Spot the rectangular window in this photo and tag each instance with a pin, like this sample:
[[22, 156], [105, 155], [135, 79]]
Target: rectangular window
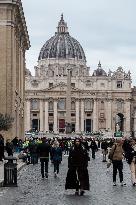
[[34, 115], [119, 84], [50, 114], [72, 114], [73, 85], [50, 85]]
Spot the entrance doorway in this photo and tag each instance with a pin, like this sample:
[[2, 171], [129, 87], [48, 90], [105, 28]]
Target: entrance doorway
[[35, 124], [50, 127], [88, 125], [61, 125], [73, 127]]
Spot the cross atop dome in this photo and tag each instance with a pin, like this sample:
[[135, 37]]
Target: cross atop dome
[[99, 65], [62, 17], [62, 26]]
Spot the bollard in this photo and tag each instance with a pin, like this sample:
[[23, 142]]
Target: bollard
[[10, 172]]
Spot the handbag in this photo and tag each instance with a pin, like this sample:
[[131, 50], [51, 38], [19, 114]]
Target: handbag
[[109, 164], [111, 155]]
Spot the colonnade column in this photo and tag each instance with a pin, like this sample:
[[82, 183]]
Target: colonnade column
[[77, 116], [82, 115], [27, 116], [41, 115], [108, 115], [55, 116], [46, 128], [127, 109], [95, 123], [134, 124]]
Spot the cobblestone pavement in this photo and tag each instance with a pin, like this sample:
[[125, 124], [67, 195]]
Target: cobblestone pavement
[[33, 190]]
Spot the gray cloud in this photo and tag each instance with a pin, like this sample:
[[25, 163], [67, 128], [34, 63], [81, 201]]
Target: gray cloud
[[106, 29]]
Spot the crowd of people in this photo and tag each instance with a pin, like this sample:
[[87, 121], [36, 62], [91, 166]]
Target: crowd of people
[[77, 150]]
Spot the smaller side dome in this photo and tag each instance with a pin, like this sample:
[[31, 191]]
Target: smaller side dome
[[99, 71]]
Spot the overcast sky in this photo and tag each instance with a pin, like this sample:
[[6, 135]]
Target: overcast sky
[[106, 29]]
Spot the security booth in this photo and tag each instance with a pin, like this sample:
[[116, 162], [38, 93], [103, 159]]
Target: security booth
[[10, 172]]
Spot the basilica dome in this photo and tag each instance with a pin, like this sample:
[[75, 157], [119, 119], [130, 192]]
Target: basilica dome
[[62, 45]]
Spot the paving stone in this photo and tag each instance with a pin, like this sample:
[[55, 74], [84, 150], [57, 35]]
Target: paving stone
[[33, 190]]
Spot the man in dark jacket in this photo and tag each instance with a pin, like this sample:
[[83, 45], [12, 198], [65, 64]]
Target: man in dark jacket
[[77, 176], [94, 148], [44, 150], [33, 151]]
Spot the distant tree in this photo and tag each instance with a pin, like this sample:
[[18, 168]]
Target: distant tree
[[5, 122]]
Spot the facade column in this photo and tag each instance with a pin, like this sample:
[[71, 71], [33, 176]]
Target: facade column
[[55, 116], [41, 115], [127, 124], [27, 116], [95, 121], [46, 128], [82, 115], [77, 116], [134, 124], [108, 109], [68, 97]]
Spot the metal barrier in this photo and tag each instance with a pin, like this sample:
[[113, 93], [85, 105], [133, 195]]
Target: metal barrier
[[10, 172]]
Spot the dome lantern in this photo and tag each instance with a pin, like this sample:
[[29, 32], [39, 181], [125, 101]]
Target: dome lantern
[[62, 26]]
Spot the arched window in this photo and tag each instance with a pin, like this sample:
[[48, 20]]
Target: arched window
[[73, 105], [87, 105], [50, 105], [102, 105], [34, 104], [61, 104]]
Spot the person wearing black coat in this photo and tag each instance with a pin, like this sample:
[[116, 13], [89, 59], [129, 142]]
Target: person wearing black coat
[[33, 151], [77, 175], [94, 148], [56, 152], [9, 147], [43, 150], [130, 154], [1, 147]]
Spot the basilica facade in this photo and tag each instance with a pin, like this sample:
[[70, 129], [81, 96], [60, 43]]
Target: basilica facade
[[63, 91]]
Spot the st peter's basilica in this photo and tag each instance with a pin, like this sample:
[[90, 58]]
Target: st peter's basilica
[[63, 92]]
